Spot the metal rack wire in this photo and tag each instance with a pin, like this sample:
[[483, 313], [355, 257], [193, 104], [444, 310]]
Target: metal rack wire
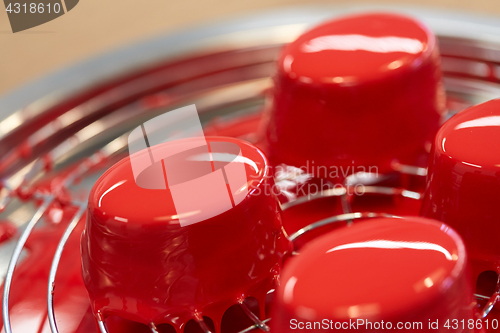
[[230, 81]]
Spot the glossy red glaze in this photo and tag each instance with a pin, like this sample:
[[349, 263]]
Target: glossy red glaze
[[363, 90], [140, 264], [395, 270], [463, 188]]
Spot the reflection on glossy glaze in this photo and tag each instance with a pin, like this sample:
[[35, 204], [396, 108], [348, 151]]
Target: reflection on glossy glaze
[[405, 270], [463, 187], [362, 90], [139, 263]]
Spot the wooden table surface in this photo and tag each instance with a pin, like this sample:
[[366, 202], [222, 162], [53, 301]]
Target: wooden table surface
[[96, 26]]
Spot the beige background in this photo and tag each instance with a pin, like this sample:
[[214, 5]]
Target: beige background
[[95, 26]]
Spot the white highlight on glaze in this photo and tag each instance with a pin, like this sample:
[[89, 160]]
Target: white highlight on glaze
[[472, 165], [428, 282], [288, 291], [121, 219], [480, 122], [224, 157], [386, 44], [395, 64], [287, 63], [387, 244], [305, 312], [110, 189], [185, 215], [442, 144]]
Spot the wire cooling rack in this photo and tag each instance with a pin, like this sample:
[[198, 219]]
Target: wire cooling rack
[[83, 114]]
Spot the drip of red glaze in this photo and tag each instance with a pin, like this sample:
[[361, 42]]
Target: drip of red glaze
[[25, 150], [140, 264], [156, 101], [56, 183], [48, 163], [50, 184], [7, 230]]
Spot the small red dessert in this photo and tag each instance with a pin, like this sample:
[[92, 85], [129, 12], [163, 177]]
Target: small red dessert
[[359, 91], [141, 263], [379, 272], [463, 188]]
